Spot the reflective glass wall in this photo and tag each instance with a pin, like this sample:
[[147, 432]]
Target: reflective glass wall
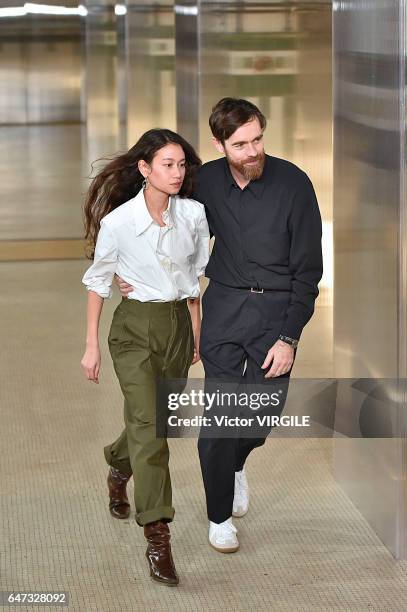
[[370, 258], [150, 67], [42, 70], [41, 66]]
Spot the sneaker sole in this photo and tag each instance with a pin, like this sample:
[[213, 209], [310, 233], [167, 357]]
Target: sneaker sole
[[240, 514], [225, 550]]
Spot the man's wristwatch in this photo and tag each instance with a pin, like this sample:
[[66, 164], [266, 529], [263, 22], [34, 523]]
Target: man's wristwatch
[[293, 343]]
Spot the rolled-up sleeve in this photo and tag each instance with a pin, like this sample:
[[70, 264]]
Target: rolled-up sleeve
[[202, 244], [99, 276]]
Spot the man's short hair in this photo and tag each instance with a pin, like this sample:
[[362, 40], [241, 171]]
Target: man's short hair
[[229, 114]]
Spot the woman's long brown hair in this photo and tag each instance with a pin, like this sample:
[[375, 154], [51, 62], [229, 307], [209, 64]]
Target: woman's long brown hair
[[120, 180]]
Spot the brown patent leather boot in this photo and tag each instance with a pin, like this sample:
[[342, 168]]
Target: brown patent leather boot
[[118, 501], [159, 554]]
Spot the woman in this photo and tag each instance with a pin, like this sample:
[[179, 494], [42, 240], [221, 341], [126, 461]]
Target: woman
[[146, 229]]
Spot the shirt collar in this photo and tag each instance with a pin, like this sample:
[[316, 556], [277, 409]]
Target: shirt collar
[[256, 187], [142, 217]]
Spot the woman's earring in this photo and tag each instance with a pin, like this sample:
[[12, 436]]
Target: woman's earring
[[145, 183]]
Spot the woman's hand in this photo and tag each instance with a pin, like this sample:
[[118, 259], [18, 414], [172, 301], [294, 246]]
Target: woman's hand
[[195, 312], [91, 363]]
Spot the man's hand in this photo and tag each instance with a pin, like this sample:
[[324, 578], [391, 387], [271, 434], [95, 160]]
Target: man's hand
[[282, 356], [124, 287]]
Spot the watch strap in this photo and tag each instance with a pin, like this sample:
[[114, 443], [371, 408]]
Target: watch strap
[[291, 341]]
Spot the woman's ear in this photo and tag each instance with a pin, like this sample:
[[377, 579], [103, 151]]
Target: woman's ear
[[144, 168]]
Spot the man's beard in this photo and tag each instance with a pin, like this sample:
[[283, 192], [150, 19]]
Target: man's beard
[[250, 172]]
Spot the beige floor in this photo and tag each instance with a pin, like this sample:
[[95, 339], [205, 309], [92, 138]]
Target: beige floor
[[303, 544]]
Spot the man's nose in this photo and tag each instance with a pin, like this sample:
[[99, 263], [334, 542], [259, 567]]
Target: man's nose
[[252, 151]]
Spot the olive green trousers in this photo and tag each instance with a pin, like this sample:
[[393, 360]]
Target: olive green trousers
[[147, 341]]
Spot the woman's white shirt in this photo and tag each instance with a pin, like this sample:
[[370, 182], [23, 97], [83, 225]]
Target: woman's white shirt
[[161, 263]]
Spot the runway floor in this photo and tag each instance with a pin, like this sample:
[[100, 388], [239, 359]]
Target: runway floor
[[304, 546]]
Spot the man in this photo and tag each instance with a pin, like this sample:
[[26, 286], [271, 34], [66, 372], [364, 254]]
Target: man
[[264, 271]]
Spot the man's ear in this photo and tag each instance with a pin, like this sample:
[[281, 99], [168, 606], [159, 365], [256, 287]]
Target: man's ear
[[218, 145]]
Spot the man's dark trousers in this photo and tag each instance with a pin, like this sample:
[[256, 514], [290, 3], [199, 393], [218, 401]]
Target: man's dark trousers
[[238, 327]]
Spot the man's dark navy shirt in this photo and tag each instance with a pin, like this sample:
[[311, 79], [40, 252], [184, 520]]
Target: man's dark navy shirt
[[267, 235]]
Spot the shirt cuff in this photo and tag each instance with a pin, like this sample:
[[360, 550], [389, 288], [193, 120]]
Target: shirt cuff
[[104, 291], [291, 329]]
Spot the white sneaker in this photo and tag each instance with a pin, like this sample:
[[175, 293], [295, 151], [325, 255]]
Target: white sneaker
[[222, 536], [241, 498]]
